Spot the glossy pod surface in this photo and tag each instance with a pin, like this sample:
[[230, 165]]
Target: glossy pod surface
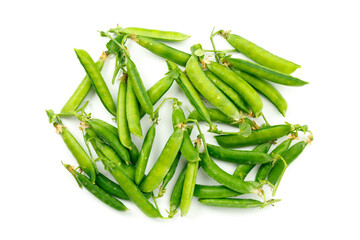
[[256, 137], [110, 187], [231, 202], [155, 34], [204, 191], [175, 197], [123, 129], [132, 111]]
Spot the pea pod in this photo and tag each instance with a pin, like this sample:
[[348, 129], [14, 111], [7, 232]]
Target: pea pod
[[259, 54], [144, 154], [239, 85], [132, 111], [164, 162], [122, 123], [175, 197], [110, 187], [205, 191], [266, 89], [96, 190], [214, 95], [152, 33], [188, 187], [96, 80], [262, 135], [82, 90], [169, 175], [162, 50], [266, 73], [228, 91], [235, 203]]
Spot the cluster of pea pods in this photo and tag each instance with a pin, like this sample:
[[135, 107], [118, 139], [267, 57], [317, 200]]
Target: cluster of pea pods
[[230, 85]]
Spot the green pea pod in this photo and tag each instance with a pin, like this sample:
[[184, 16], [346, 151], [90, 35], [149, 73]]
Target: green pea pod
[[158, 90], [169, 175], [162, 50], [265, 168], [97, 80], [266, 73], [260, 55], [289, 156], [238, 156], [239, 85], [144, 154], [110, 187], [217, 116], [187, 148], [110, 138], [214, 95], [228, 91], [78, 152], [175, 197], [82, 90], [242, 170], [132, 111], [235, 203], [164, 162], [262, 135], [138, 87], [152, 33], [204, 191], [122, 122], [189, 186], [268, 90], [191, 94], [96, 190]]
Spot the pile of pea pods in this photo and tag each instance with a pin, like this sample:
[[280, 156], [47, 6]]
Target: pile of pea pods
[[231, 85]]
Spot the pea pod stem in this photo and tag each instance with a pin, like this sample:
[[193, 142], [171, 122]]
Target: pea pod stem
[[213, 44]]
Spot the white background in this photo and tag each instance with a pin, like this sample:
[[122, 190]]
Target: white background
[[39, 70]]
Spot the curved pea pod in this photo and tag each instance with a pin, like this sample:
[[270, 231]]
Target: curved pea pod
[[95, 190], [268, 90], [175, 197], [96, 80], [169, 175], [162, 50], [260, 55], [153, 33], [132, 112], [138, 87], [82, 90], [235, 203], [222, 177], [266, 73], [78, 152], [228, 91], [289, 156], [110, 138], [247, 92], [265, 168], [238, 156], [164, 162], [214, 95], [158, 90], [205, 191], [123, 129], [262, 135], [191, 93]]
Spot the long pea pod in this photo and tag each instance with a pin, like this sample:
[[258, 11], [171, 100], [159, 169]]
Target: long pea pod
[[96, 190], [96, 80], [152, 33], [82, 90], [265, 73], [247, 92], [169, 175], [164, 161], [132, 111], [122, 122], [208, 191], [265, 168], [259, 54], [235, 203], [162, 50], [144, 154], [268, 90], [262, 135], [175, 197], [210, 91], [228, 91]]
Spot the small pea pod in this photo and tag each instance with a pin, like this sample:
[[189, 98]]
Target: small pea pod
[[82, 90], [265, 73], [175, 197], [132, 111], [164, 162], [214, 95], [97, 80], [265, 168], [144, 154], [259, 54], [122, 123], [229, 92], [96, 190], [236, 203], [268, 90], [162, 50], [247, 92], [262, 135], [152, 33]]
